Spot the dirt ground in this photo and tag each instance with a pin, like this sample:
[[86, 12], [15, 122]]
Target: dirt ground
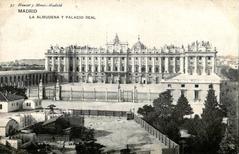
[[115, 133], [112, 106]]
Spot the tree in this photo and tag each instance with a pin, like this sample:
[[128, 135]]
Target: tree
[[163, 105], [89, 148], [212, 123], [145, 110], [14, 90], [228, 144], [182, 108], [82, 133]]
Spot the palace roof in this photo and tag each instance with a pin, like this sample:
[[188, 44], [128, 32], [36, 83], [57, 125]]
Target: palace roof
[[185, 78]]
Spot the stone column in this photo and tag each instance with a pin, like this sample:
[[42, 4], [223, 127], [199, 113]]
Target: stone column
[[140, 65], [153, 64], [74, 63], [119, 64], [146, 65], [133, 65], [112, 64], [181, 65], [135, 100], [58, 90], [41, 90], [186, 64], [65, 64], [53, 63], [105, 62], [59, 64], [174, 64], [119, 93], [195, 65], [203, 65], [93, 64], [99, 64], [47, 63], [166, 65], [160, 65], [213, 64], [80, 64], [86, 64], [126, 65]]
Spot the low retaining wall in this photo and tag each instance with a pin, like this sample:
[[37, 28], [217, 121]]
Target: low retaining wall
[[99, 113], [161, 137]]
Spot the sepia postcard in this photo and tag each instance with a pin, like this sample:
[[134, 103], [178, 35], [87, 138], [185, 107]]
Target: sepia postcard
[[119, 76]]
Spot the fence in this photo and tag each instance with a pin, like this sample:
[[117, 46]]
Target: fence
[[162, 138], [98, 113], [104, 95]]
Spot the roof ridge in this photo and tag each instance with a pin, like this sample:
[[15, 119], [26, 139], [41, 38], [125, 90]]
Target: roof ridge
[[4, 96]]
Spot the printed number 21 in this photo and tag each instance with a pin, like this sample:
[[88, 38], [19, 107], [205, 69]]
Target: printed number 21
[[11, 5]]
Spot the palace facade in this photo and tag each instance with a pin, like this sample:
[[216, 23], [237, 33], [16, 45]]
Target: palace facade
[[120, 63]]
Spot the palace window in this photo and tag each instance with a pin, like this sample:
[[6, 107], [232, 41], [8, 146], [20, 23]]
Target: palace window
[[77, 69], [143, 69], [196, 85], [83, 68], [150, 69], [196, 95], [182, 85], [156, 69], [0, 106], [96, 68], [122, 68], [169, 85], [157, 58], [89, 68], [115, 68], [71, 68], [137, 68], [130, 68], [102, 68]]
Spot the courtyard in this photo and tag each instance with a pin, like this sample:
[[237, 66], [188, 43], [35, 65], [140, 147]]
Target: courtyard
[[116, 133]]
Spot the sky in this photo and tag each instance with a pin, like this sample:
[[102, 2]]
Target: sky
[[157, 22]]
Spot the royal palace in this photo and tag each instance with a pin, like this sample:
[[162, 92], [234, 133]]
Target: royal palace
[[120, 63]]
